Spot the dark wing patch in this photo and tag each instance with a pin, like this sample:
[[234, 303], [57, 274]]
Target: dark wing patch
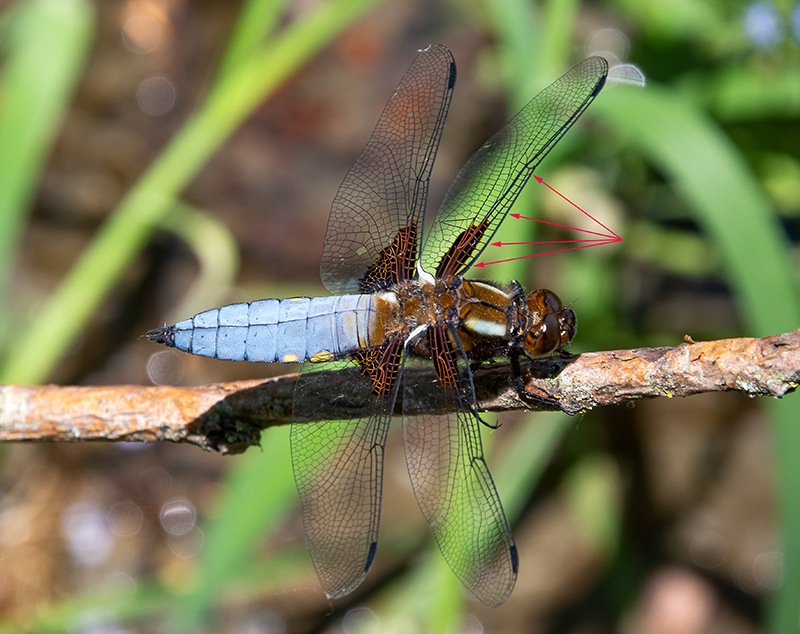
[[457, 255], [381, 365], [396, 262]]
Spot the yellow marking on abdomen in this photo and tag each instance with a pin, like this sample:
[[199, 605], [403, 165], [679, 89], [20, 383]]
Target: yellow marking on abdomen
[[322, 356]]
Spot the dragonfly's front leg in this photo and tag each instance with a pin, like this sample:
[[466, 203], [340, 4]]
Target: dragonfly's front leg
[[522, 390]]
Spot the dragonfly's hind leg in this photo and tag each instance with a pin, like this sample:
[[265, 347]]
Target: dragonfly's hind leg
[[486, 423]]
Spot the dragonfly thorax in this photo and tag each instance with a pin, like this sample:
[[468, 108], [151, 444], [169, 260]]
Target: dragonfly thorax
[[487, 320]]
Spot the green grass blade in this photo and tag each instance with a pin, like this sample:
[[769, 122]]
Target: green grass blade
[[217, 253], [46, 43], [255, 23], [521, 465], [783, 613]]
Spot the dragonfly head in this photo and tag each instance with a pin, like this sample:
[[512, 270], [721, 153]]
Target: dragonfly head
[[551, 325]]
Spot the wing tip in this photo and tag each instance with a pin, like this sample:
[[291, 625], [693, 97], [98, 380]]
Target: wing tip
[[342, 589], [599, 86]]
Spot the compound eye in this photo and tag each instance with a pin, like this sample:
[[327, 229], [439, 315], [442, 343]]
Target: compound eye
[[552, 302], [545, 337], [544, 302]]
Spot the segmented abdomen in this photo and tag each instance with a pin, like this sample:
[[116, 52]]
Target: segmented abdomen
[[278, 330]]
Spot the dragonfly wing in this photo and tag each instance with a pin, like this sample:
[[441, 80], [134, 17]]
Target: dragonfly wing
[[338, 468], [374, 221], [451, 481], [487, 186]]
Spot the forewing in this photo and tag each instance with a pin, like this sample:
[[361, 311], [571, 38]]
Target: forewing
[[451, 481], [491, 180], [338, 469], [376, 214]]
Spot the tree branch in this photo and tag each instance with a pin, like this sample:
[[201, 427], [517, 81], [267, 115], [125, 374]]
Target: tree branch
[[229, 417]]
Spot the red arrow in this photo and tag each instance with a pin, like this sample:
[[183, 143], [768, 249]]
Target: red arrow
[[540, 180], [610, 237], [481, 265], [558, 224], [604, 240]]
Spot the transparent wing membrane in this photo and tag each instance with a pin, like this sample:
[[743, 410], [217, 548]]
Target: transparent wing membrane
[[338, 468], [452, 483], [386, 190]]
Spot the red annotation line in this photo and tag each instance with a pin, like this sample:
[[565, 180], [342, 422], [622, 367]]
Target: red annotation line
[[541, 181], [480, 265], [562, 226], [606, 240], [610, 237]]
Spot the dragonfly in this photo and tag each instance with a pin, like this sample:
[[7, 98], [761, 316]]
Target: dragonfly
[[399, 300]]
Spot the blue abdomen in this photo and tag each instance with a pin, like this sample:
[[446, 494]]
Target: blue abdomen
[[276, 330]]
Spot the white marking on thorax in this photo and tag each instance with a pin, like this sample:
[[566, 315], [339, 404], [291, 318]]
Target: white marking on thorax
[[389, 297], [424, 275], [414, 334], [485, 327]]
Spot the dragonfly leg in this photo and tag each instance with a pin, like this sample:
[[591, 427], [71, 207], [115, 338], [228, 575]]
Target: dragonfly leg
[[473, 410], [486, 423], [525, 393]]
